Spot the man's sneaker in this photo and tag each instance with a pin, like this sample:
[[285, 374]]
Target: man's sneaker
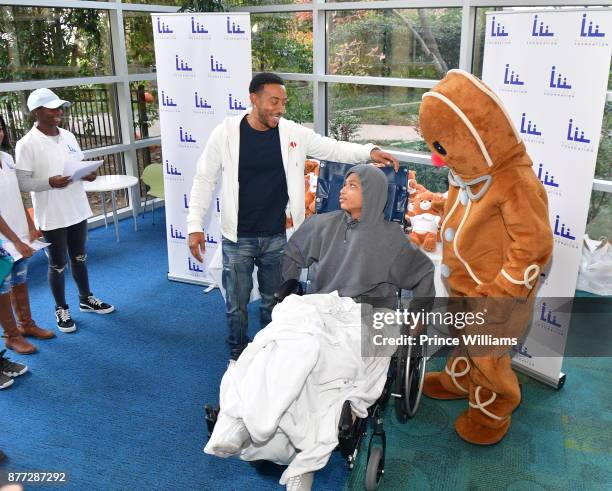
[[64, 321], [93, 304], [5, 381], [303, 482], [11, 368]]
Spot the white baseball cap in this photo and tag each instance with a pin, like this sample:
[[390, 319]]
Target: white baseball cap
[[45, 98]]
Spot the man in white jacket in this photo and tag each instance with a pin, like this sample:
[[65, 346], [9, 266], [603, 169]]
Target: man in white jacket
[[260, 157]]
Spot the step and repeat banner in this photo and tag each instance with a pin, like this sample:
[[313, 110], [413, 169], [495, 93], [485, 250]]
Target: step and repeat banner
[[203, 64], [550, 68]]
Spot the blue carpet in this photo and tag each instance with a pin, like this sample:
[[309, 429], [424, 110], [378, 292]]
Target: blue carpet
[[119, 403], [559, 440]]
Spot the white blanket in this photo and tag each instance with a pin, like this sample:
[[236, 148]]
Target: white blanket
[[290, 383]]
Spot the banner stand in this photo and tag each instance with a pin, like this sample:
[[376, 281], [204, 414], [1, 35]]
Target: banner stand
[[203, 64], [550, 68]]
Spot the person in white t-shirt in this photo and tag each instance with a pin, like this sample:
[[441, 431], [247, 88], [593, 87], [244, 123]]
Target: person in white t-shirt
[[61, 208], [16, 229]]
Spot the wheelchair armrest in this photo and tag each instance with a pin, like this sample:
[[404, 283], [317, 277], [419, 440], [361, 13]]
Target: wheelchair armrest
[[287, 288]]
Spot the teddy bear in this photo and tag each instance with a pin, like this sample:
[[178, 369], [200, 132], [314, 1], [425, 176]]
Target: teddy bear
[[425, 221], [311, 173], [496, 240]]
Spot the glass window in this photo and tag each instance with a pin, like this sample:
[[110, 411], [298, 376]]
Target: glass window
[[145, 109], [387, 116], [603, 169], [171, 3], [299, 104], [407, 43], [599, 222], [92, 117], [147, 156], [113, 164], [253, 3], [49, 43], [282, 42], [139, 47]]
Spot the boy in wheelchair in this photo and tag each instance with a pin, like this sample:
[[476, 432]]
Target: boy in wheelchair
[[281, 401]]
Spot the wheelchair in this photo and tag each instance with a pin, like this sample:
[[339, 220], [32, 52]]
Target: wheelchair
[[406, 372]]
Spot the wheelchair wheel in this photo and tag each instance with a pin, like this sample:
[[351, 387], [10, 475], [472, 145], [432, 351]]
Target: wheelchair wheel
[[410, 374], [415, 375], [375, 469]]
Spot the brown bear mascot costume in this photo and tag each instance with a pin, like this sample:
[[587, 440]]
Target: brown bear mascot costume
[[496, 239]]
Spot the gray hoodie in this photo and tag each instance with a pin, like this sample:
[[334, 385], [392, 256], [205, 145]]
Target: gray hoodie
[[366, 259]]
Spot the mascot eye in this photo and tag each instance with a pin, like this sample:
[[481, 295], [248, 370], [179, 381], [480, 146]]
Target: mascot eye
[[439, 148]]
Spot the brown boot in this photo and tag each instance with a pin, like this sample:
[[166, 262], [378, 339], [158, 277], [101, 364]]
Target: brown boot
[[451, 383], [21, 306], [12, 337], [494, 394]]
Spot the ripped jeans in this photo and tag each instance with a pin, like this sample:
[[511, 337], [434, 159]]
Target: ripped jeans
[[67, 242], [17, 276]]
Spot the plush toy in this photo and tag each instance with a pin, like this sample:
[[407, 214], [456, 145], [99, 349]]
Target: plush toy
[[414, 187], [425, 221], [496, 239], [311, 173]]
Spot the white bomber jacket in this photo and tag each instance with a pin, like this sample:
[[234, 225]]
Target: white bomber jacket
[[221, 156]]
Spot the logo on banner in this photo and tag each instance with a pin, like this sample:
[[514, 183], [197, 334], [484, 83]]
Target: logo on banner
[[233, 30], [590, 32], [218, 203], [196, 28], [498, 33], [182, 68], [167, 103], [530, 130], [172, 172], [563, 233], [513, 82], [576, 139], [521, 349], [217, 70], [175, 233], [541, 34], [546, 319], [186, 139], [548, 180], [199, 31], [163, 30], [202, 106], [210, 239], [540, 30], [234, 104], [193, 266], [559, 85], [185, 202]]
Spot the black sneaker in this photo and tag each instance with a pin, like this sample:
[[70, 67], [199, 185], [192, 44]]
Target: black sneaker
[[11, 368], [93, 304], [64, 321], [5, 381]]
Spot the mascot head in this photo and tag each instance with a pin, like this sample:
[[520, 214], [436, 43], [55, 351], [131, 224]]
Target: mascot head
[[467, 127]]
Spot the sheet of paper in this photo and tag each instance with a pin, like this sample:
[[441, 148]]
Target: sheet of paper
[[77, 169], [9, 247]]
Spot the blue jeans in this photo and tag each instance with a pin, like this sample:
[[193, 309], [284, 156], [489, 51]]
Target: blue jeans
[[17, 276], [239, 259]]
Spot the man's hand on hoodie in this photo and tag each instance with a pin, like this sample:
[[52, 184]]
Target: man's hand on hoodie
[[377, 155], [197, 245]]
